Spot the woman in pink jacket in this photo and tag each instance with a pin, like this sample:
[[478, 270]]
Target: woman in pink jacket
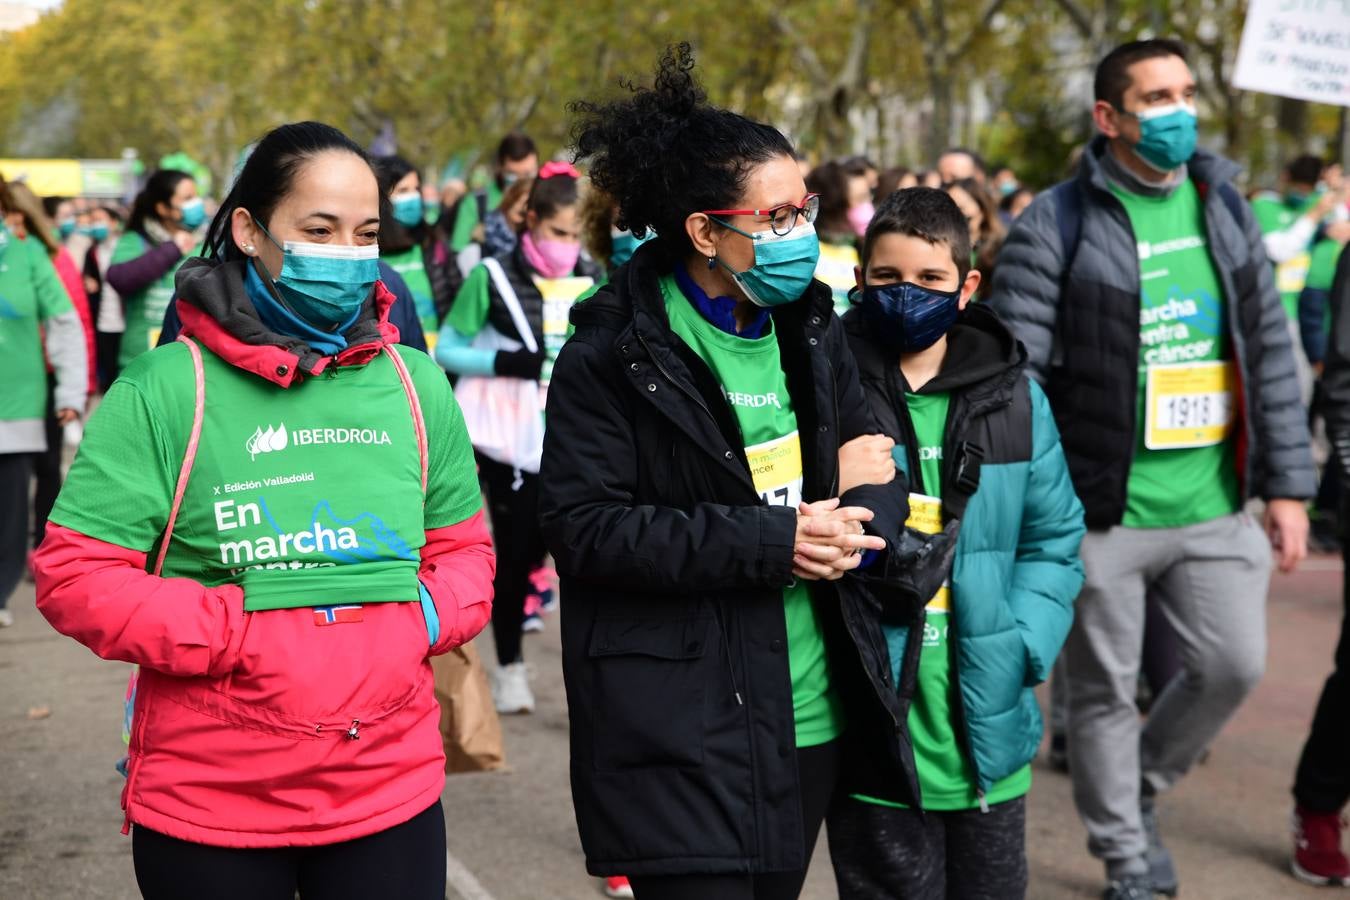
[[277, 519]]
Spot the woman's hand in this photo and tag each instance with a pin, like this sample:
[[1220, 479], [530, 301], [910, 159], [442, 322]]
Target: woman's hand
[[830, 540], [185, 240], [866, 460]]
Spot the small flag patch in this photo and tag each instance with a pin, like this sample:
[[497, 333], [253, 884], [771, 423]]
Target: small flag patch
[[336, 615]]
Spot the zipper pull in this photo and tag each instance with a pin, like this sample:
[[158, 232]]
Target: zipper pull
[[739, 701], [354, 734]]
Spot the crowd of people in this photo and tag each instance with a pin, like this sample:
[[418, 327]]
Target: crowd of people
[[835, 463]]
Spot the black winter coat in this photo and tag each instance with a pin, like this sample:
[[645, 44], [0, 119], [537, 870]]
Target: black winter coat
[[673, 569]]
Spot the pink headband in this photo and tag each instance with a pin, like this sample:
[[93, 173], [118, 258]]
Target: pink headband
[[551, 169]]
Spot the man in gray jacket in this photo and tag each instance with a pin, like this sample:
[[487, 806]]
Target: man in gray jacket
[[1142, 292]]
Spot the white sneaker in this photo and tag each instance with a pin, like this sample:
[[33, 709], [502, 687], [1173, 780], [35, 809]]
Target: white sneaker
[[6, 618], [511, 689]]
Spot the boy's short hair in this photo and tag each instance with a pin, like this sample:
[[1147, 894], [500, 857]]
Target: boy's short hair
[[1112, 78], [925, 213]]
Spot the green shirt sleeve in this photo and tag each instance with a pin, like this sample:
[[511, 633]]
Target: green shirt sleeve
[[1322, 268], [469, 312], [120, 488], [465, 220], [129, 247], [452, 479], [50, 293]]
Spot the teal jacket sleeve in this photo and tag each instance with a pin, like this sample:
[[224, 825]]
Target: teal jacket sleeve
[[1047, 571], [456, 353]]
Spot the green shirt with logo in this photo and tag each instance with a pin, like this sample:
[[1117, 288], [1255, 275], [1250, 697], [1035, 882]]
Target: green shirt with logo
[[1274, 213], [946, 777], [412, 267], [751, 375], [1184, 469], [145, 309], [307, 496], [30, 293]]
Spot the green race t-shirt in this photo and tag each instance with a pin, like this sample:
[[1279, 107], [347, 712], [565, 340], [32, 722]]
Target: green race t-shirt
[[1322, 272], [144, 310], [946, 777], [470, 311], [751, 375], [30, 293], [306, 496], [1274, 213], [466, 218], [412, 267], [1184, 470]]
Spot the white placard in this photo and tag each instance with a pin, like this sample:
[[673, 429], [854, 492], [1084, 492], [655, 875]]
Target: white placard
[[1296, 48]]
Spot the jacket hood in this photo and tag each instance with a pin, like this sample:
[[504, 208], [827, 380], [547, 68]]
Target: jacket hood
[[216, 310], [979, 348], [1205, 167]]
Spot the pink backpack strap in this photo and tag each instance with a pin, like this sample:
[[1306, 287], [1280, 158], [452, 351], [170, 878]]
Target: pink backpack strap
[[190, 455], [419, 423]]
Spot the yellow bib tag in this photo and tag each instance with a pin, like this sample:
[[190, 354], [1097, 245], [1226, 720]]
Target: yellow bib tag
[[835, 267], [1188, 405], [152, 337], [559, 294], [925, 515], [1292, 274], [776, 467]]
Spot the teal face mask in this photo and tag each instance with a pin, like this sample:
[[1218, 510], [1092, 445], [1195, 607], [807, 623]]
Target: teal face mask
[[624, 245], [65, 228], [1166, 136], [325, 284], [193, 213], [784, 264], [98, 232], [407, 208]]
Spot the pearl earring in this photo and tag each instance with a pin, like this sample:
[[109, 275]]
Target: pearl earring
[[712, 262]]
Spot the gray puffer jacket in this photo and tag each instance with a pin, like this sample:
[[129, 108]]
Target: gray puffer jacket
[[1081, 331]]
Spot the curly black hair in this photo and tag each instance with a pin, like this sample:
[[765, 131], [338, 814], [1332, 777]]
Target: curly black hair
[[664, 152]]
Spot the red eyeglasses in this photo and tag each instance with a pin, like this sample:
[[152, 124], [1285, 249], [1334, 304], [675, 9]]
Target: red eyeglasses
[[782, 218]]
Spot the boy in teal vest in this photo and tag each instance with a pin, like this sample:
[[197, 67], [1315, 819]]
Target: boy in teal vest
[[976, 437]]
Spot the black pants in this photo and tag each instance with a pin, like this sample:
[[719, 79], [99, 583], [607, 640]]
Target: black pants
[[16, 471], [406, 861], [818, 772], [883, 853], [107, 345], [513, 504], [47, 469], [1323, 780]]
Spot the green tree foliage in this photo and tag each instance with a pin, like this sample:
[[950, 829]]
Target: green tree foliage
[[895, 79]]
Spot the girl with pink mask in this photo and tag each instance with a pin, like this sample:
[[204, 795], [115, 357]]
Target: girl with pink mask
[[506, 326]]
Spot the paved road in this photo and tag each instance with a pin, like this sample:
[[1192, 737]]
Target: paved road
[[513, 834]]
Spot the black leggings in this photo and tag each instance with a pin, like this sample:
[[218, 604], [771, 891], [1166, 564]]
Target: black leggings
[[513, 504], [406, 861], [818, 772], [884, 853]]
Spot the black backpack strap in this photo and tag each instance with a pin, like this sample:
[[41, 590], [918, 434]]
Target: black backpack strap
[[965, 479], [1233, 200], [1069, 218], [480, 197]]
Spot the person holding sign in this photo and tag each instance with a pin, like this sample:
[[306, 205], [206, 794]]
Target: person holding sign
[[161, 233], [276, 519], [693, 495], [502, 335], [946, 380], [1147, 305]]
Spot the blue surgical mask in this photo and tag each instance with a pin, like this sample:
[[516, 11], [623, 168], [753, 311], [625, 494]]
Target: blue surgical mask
[[193, 212], [407, 208], [1166, 135], [65, 228], [98, 232], [908, 318], [784, 265], [326, 284], [624, 245]]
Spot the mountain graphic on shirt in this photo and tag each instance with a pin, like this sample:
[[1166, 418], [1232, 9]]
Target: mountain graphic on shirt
[[375, 539]]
